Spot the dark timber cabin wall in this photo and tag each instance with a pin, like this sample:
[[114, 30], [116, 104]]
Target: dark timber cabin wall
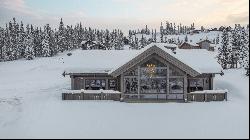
[[78, 81]]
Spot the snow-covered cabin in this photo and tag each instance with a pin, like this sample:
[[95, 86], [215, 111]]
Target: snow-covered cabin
[[92, 45], [152, 72], [203, 44], [189, 45]]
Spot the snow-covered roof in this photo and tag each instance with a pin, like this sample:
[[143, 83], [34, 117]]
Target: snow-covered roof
[[89, 70], [191, 43], [213, 45], [167, 45], [107, 61]]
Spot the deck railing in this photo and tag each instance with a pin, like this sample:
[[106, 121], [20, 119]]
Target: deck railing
[[91, 96], [204, 96]]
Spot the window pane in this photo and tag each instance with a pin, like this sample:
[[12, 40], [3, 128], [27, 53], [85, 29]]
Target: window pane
[[131, 85], [112, 84], [95, 84], [176, 85]]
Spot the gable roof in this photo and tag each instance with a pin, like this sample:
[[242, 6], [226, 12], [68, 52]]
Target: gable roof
[[110, 61], [150, 50], [190, 43]]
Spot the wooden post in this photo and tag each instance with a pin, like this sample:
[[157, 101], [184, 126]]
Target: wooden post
[[185, 87], [205, 97], [106, 84], [72, 82], [122, 85], [139, 82], [212, 83], [167, 83]]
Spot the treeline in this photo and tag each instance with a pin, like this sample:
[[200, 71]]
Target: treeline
[[234, 49], [19, 41], [174, 29]]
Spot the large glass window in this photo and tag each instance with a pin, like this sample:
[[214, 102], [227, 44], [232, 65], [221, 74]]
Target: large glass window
[[112, 84], [176, 85], [153, 78], [153, 85], [195, 84], [95, 84], [131, 85]]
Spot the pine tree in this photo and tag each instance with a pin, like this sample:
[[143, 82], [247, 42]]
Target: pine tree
[[61, 42], [186, 39], [162, 38], [46, 51], [21, 39], [236, 43], [218, 39], [1, 43], [244, 50], [29, 48], [223, 50]]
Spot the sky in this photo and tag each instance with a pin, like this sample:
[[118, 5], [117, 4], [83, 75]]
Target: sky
[[126, 14]]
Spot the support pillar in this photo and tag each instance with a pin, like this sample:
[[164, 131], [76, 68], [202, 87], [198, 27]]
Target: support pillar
[[167, 83], [122, 86], [185, 87], [139, 82], [72, 82]]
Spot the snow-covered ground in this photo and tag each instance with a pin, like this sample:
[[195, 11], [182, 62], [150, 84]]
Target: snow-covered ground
[[31, 107]]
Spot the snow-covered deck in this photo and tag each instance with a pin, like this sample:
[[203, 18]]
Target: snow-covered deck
[[208, 95], [101, 91], [91, 95], [210, 92]]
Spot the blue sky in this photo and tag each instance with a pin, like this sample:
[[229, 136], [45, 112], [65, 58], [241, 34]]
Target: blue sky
[[126, 14]]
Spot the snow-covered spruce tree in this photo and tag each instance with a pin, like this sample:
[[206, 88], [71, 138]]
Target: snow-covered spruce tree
[[218, 39], [235, 42], [6, 47], [29, 48], [244, 50], [223, 50], [46, 51], [14, 40], [155, 36], [107, 40], [162, 38], [186, 39], [1, 43], [61, 42], [21, 39], [143, 42]]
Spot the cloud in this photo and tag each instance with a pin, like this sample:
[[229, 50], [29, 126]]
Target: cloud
[[16, 6], [132, 13], [241, 18]]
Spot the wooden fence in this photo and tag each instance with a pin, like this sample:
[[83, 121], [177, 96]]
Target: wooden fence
[[91, 96], [207, 97]]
